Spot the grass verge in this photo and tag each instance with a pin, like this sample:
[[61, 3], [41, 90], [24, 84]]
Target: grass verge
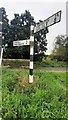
[[45, 98]]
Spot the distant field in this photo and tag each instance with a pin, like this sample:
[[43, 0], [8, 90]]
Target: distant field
[[47, 63], [45, 98]]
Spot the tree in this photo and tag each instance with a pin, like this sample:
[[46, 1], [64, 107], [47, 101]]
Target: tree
[[40, 44], [60, 48], [19, 29], [5, 27]]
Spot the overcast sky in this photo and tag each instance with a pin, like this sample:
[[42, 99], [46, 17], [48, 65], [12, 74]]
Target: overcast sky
[[40, 10]]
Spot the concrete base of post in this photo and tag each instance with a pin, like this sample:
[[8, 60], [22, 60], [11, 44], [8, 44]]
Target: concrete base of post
[[30, 78]]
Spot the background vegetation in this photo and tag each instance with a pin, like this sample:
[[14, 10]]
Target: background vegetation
[[46, 62]]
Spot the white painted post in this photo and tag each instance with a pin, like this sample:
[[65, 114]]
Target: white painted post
[[1, 54], [31, 54]]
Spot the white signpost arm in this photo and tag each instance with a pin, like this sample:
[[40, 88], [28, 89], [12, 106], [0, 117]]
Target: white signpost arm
[[55, 18], [21, 42]]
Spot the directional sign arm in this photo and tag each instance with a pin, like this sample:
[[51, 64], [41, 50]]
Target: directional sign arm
[[21, 42], [48, 22]]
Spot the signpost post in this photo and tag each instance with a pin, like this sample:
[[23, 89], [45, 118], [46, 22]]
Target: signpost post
[[31, 54], [1, 53]]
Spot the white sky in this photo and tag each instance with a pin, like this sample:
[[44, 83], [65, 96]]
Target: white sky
[[40, 10]]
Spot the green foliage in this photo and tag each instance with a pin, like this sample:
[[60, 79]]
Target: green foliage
[[19, 29], [45, 98], [60, 52], [5, 27], [50, 63]]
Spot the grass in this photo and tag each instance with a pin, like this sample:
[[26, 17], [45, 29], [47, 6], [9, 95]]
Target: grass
[[15, 63], [50, 64], [45, 98]]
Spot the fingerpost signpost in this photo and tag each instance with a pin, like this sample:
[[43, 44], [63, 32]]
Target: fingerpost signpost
[[55, 18]]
